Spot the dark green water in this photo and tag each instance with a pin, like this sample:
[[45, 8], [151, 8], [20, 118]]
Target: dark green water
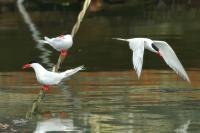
[[107, 97]]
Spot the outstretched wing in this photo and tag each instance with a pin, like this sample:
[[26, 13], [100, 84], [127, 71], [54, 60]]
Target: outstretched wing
[[138, 52], [171, 59]]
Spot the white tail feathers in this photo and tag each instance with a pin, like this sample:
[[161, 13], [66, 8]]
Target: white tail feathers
[[121, 39], [42, 41], [73, 71], [46, 40]]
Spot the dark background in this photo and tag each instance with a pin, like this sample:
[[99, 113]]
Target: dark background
[[175, 21]]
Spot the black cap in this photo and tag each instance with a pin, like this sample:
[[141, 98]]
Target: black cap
[[154, 47], [32, 61], [65, 33]]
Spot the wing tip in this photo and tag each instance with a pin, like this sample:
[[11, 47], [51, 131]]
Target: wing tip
[[46, 38], [74, 70], [138, 73], [138, 76], [79, 68], [188, 80], [82, 67]]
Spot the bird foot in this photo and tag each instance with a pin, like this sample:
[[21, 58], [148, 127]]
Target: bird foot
[[63, 52], [45, 87]]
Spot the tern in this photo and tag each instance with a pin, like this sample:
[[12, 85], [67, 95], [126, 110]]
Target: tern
[[61, 43], [46, 77], [161, 48]]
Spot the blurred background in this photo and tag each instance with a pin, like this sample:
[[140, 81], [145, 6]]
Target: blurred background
[[175, 21], [107, 97]]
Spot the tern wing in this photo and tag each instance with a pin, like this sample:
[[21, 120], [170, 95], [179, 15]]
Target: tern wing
[[73, 71], [171, 59], [138, 52], [52, 78], [56, 43]]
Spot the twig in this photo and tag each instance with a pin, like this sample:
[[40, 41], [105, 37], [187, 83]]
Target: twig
[[80, 17], [35, 105], [41, 95], [60, 61]]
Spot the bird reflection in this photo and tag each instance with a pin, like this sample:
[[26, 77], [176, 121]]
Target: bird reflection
[[35, 34], [56, 125], [183, 128]]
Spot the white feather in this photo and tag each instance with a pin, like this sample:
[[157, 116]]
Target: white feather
[[52, 78], [59, 43], [137, 46], [73, 71], [171, 59]]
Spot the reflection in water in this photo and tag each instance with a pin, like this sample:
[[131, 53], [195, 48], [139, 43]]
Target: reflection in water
[[183, 128], [55, 125], [20, 121], [108, 102], [35, 34]]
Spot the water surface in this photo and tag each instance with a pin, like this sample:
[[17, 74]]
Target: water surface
[[107, 97]]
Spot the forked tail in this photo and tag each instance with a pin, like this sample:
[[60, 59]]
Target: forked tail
[[121, 39], [46, 40], [42, 41]]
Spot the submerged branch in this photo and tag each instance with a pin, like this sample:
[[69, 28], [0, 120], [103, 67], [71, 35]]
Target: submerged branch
[[35, 105]]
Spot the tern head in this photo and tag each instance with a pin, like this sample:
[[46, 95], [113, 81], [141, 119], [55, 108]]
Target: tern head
[[155, 49], [149, 44], [29, 64], [65, 33]]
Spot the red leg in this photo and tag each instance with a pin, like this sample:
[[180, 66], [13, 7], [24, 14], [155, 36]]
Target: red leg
[[45, 87], [63, 52]]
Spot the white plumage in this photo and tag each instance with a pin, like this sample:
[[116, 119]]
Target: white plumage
[[47, 78], [137, 45], [61, 42]]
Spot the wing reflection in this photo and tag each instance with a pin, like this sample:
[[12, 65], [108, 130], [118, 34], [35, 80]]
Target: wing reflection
[[35, 34], [183, 128], [55, 125]]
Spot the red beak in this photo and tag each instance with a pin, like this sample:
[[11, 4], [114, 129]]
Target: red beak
[[26, 66], [158, 53]]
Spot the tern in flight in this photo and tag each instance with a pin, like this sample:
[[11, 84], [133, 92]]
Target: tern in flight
[[161, 48]]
